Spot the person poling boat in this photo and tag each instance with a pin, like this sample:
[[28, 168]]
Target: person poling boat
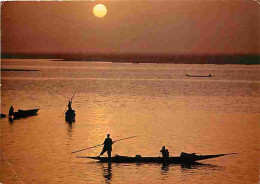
[[11, 110], [69, 105], [70, 112], [107, 146], [103, 144]]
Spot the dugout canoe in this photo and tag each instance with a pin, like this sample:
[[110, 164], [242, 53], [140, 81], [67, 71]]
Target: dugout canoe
[[3, 115], [24, 113], [183, 158], [70, 116], [188, 75]]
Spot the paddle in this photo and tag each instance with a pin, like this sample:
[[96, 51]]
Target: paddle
[[70, 100], [103, 144]]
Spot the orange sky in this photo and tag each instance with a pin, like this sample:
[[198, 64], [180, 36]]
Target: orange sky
[[168, 27]]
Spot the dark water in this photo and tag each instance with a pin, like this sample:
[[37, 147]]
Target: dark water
[[156, 102]]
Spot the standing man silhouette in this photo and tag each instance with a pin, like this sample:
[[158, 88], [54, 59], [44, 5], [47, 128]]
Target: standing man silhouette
[[107, 146], [69, 105], [11, 110]]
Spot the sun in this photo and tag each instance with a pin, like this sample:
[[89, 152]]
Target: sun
[[100, 10]]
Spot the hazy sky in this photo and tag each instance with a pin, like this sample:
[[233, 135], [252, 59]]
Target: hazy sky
[[174, 27]]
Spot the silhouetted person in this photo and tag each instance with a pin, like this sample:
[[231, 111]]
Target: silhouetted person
[[107, 146], [11, 110], [69, 105], [165, 152]]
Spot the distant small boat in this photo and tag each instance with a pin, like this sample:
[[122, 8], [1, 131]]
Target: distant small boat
[[24, 113], [209, 75], [184, 158], [70, 116]]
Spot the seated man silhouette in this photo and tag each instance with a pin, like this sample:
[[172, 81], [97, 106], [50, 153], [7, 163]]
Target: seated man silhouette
[[165, 152]]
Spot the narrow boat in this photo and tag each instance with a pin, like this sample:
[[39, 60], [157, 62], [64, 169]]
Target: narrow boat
[[184, 158], [3, 115], [24, 113], [209, 75], [70, 116]]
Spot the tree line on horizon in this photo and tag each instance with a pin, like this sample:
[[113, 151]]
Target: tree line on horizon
[[145, 58]]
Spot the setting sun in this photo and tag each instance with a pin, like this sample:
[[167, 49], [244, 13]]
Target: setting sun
[[100, 10]]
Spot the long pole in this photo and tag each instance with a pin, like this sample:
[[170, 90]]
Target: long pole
[[103, 144], [70, 100], [74, 94]]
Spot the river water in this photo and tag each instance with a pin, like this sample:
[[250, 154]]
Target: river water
[[155, 102]]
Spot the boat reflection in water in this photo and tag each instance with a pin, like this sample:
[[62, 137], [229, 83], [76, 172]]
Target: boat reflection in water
[[11, 120], [70, 129], [166, 170], [107, 171]]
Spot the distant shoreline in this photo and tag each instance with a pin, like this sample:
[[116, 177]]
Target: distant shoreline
[[18, 70], [243, 59], [153, 62]]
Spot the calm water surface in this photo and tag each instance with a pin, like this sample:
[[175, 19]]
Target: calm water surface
[[156, 102]]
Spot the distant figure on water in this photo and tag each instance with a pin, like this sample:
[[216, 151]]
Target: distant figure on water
[[69, 105], [11, 110], [165, 152], [70, 113], [107, 146]]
